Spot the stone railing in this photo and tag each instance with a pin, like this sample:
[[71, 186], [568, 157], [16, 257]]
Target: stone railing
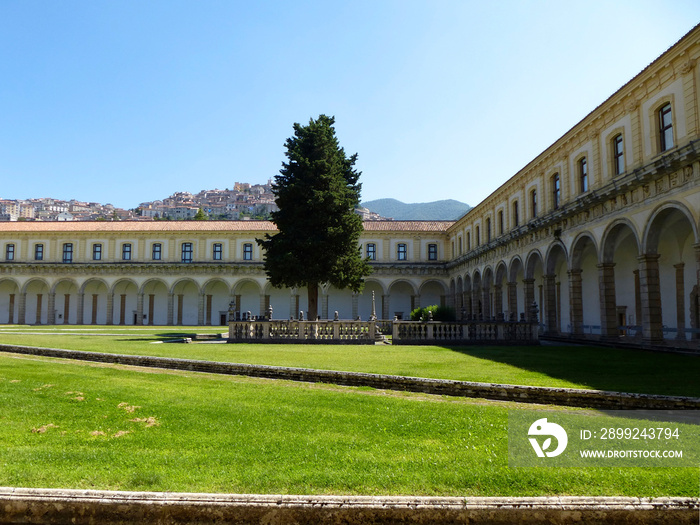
[[282, 331], [465, 332]]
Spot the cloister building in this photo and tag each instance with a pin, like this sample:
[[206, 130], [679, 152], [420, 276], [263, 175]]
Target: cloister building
[[600, 231]]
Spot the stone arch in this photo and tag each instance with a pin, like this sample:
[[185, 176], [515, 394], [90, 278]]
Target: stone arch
[[584, 299], [247, 293], [467, 297], [155, 302], [534, 285], [184, 303], [556, 296], [95, 292], [216, 298], [364, 302], [9, 300], [500, 291], [478, 310], [279, 298], [124, 294], [516, 283], [402, 298], [608, 245], [668, 273], [432, 291], [35, 294], [459, 297], [65, 302]]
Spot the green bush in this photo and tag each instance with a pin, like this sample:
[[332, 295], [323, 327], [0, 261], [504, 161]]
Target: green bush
[[440, 313]]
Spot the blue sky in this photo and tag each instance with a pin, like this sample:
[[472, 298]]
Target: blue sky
[[128, 101]]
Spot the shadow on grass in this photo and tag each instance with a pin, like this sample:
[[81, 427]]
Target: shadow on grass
[[621, 370]]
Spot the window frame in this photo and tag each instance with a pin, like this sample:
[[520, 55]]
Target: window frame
[[533, 202], [186, 252], [618, 154], [39, 251], [217, 253], [402, 251], [126, 251], [97, 251], [664, 143], [10, 251], [248, 251], [67, 253], [371, 251], [157, 249], [516, 214], [556, 191], [582, 168], [432, 251]]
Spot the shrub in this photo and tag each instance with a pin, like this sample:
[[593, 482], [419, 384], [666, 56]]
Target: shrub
[[440, 313]]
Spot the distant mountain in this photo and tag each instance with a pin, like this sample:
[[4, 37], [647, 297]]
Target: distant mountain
[[447, 210]]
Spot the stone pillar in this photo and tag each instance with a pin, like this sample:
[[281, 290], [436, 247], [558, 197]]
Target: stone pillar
[[11, 310], [110, 308], [171, 308], [355, 305], [122, 309], [95, 298], [650, 288], [385, 307], [498, 300], [550, 304], [529, 297], [486, 302], [139, 309], [151, 308], [180, 307], [476, 310], [22, 308], [324, 306], [415, 302], [576, 301], [51, 314], [263, 303], [207, 310], [294, 308], [637, 302], [558, 292], [512, 291], [680, 301], [81, 308], [66, 307], [608, 304], [200, 309]]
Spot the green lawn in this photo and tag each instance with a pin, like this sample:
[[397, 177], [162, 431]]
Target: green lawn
[[80, 425], [557, 366]]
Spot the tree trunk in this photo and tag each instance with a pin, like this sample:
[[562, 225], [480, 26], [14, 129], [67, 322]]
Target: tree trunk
[[313, 301]]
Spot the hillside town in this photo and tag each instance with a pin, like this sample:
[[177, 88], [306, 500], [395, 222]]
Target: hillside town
[[244, 202]]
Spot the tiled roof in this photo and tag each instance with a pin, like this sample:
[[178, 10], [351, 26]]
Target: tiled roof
[[203, 226]]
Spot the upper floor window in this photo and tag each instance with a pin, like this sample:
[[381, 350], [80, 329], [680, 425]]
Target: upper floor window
[[186, 252], [38, 252], [432, 252], [371, 251], [478, 236], [516, 216], [500, 223], [618, 155], [247, 252], [402, 252], [96, 252], [218, 251], [68, 252], [583, 174], [488, 229], [666, 127], [533, 203], [9, 252], [126, 251], [556, 191], [469, 241], [156, 251], [459, 240]]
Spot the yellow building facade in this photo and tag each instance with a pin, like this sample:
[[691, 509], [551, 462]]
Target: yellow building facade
[[600, 232]]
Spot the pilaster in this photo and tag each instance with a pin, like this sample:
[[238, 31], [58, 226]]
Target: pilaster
[[650, 291], [608, 307]]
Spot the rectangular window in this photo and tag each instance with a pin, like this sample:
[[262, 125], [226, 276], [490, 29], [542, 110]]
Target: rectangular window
[[38, 252], [469, 241], [9, 252], [460, 245], [187, 252], [402, 252], [618, 155], [372, 251], [556, 191], [68, 253], [126, 252], [247, 252], [432, 252], [218, 251], [488, 230], [478, 237], [533, 203], [96, 252], [583, 174], [500, 223], [157, 251], [666, 127], [516, 217]]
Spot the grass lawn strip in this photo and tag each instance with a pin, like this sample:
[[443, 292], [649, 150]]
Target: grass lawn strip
[[240, 435], [595, 368]]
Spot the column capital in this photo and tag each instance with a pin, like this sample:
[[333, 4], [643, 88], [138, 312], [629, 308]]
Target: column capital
[[648, 257]]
